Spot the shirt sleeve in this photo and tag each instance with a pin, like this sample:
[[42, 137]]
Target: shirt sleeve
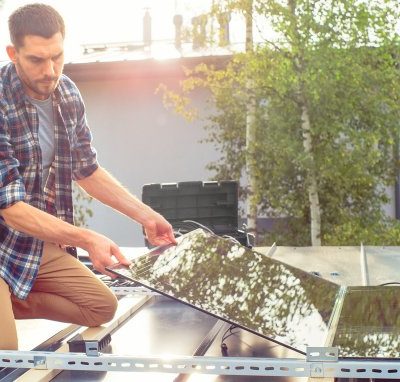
[[12, 188], [84, 155]]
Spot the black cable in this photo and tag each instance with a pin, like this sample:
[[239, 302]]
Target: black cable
[[199, 225], [231, 332], [231, 238], [225, 336], [185, 226]]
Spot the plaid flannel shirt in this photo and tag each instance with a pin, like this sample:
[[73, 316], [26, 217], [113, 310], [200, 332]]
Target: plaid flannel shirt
[[21, 169]]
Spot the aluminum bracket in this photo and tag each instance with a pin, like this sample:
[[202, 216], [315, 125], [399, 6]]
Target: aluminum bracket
[[322, 354]]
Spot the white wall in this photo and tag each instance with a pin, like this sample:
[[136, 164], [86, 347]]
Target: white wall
[[140, 142]]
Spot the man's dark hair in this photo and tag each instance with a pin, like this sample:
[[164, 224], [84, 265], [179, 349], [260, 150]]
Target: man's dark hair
[[34, 19]]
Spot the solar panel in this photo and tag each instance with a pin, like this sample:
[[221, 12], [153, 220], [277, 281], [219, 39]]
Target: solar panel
[[369, 323], [267, 297], [242, 287]]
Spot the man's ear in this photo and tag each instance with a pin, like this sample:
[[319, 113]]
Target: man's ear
[[11, 51]]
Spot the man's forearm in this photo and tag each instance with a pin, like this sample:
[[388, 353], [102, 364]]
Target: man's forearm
[[34, 222], [104, 187]]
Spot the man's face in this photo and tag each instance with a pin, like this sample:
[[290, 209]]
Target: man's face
[[39, 64]]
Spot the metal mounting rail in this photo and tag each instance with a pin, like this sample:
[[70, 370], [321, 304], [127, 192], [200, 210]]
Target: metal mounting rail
[[203, 365], [128, 290]]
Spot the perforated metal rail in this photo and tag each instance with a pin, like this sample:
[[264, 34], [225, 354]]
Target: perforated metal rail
[[202, 365]]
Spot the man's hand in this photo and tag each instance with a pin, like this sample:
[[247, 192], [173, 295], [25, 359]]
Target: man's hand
[[32, 221], [105, 188], [159, 231], [103, 252]]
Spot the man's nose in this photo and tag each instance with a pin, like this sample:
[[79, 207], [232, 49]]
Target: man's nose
[[49, 68]]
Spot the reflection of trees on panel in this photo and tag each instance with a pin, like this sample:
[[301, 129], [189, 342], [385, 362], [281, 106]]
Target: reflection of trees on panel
[[262, 294], [274, 299], [369, 325]]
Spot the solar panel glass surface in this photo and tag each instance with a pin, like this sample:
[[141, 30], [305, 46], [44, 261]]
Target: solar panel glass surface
[[243, 287]]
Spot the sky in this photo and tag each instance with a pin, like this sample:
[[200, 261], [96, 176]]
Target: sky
[[95, 21]]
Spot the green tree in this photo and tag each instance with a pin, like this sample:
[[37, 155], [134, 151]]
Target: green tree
[[326, 121]]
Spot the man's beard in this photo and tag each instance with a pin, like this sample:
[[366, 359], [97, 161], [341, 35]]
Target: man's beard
[[43, 87]]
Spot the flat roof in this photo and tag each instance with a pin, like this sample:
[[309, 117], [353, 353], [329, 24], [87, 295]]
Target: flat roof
[[139, 68]]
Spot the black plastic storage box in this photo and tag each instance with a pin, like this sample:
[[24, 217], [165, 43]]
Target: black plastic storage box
[[189, 205]]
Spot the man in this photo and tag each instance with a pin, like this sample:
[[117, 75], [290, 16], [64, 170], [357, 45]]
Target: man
[[45, 143]]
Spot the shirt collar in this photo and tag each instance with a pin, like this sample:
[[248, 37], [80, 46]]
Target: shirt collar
[[57, 96], [16, 85]]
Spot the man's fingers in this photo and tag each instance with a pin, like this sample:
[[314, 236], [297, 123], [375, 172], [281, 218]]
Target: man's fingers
[[112, 275], [172, 237], [163, 239], [116, 252], [101, 265]]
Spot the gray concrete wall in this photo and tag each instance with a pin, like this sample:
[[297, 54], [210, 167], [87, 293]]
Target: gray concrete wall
[[139, 142]]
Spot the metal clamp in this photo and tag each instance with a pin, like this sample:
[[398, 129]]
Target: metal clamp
[[317, 356], [322, 354], [317, 370], [40, 362], [92, 348]]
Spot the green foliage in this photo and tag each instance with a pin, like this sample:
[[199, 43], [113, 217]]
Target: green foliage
[[339, 60], [81, 202], [380, 231]]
